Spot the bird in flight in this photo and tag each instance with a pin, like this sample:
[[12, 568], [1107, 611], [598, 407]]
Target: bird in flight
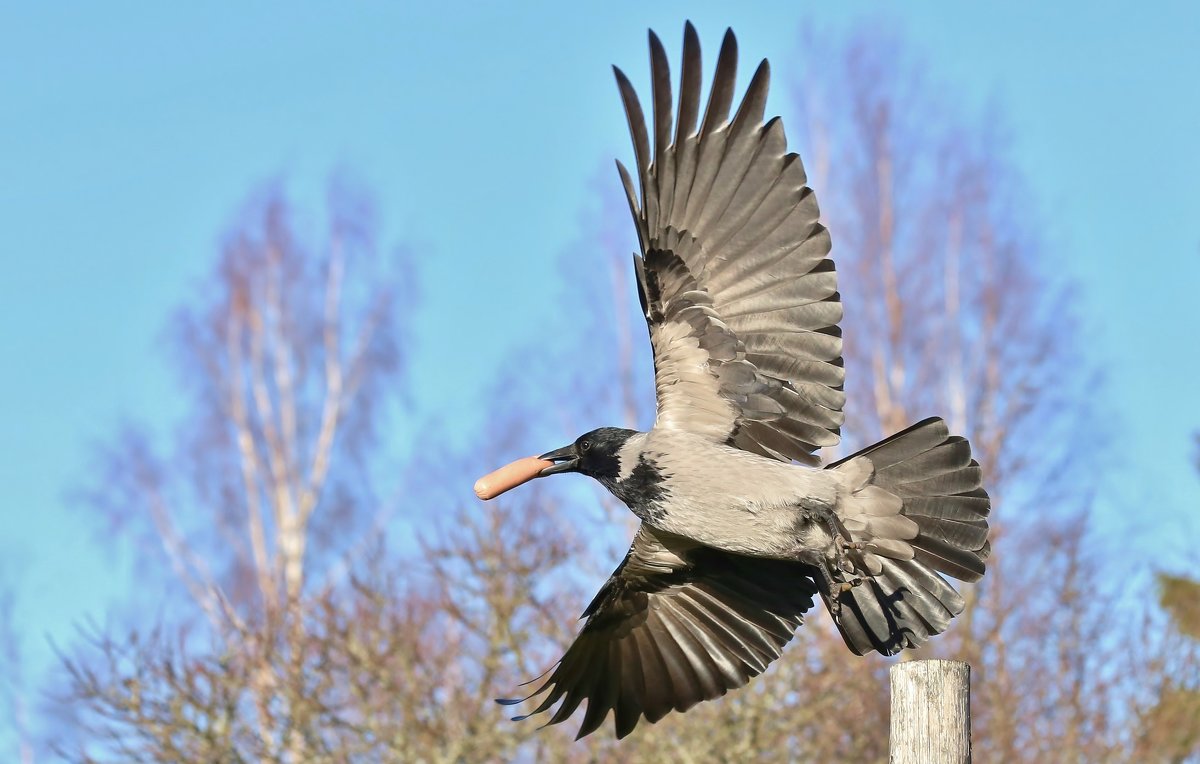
[[741, 528]]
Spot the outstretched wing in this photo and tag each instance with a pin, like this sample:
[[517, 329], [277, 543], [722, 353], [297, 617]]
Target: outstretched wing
[[675, 624], [740, 297]]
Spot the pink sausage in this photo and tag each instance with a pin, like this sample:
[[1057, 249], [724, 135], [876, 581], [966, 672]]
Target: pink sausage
[[509, 476]]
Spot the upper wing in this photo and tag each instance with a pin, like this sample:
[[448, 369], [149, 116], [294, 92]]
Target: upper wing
[[740, 297], [675, 624]]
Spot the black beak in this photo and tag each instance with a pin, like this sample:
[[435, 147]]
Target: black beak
[[565, 458]]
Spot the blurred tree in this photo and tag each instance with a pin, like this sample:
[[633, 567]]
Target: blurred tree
[[1169, 721], [302, 639], [14, 692], [1180, 597], [291, 356], [1169, 716]]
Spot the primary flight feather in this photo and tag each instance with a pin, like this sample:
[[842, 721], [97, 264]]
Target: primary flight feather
[[740, 529]]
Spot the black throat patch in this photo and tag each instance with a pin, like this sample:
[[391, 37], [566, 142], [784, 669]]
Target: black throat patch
[[644, 491]]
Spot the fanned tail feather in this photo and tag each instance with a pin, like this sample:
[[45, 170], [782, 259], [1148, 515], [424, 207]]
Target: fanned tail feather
[[920, 511]]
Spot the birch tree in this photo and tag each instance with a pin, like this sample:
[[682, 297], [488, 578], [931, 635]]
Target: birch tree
[[290, 356]]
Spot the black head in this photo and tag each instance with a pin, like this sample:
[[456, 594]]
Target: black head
[[593, 453]]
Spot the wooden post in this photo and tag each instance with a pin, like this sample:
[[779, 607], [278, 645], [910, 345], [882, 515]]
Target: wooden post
[[931, 712]]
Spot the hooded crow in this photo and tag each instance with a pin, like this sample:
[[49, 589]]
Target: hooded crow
[[740, 527]]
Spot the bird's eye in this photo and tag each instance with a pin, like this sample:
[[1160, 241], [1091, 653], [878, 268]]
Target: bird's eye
[[584, 445]]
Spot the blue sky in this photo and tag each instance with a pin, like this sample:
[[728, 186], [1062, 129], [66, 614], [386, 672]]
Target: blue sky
[[132, 132]]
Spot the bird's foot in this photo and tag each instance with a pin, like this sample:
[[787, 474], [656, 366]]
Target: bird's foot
[[848, 556], [836, 586], [842, 545]]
